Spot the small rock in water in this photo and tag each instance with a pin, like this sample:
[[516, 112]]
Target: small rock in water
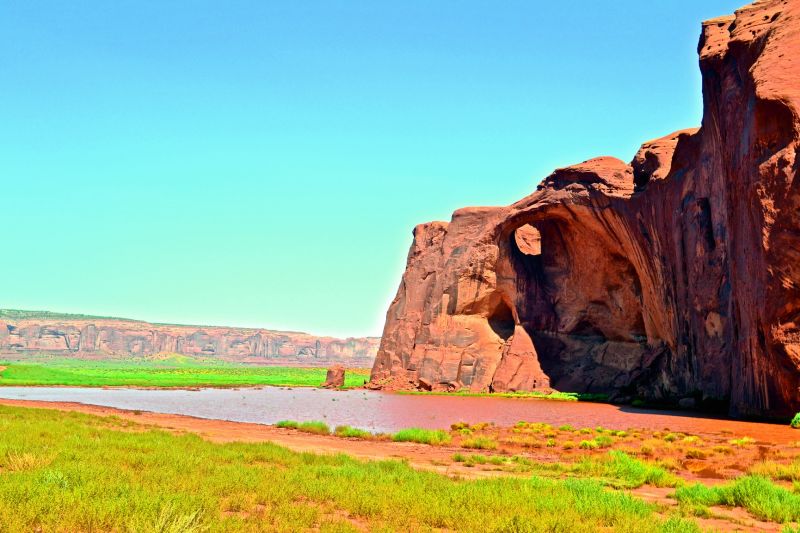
[[335, 377]]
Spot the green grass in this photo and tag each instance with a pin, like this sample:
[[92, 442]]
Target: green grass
[[615, 469], [166, 371], [778, 471], [313, 426], [555, 395], [423, 436], [795, 423], [351, 432], [75, 472], [758, 495], [480, 442]]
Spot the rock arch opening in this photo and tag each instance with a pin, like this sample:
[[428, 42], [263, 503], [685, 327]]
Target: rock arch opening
[[528, 240]]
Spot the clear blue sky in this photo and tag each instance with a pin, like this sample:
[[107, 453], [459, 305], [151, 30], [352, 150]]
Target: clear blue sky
[[263, 163]]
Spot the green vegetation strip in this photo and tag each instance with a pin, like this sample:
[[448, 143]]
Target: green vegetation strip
[[75, 472], [554, 395], [172, 371]]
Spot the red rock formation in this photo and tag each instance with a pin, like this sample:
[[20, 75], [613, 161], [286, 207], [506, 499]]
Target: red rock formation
[[334, 378], [90, 336], [675, 276]]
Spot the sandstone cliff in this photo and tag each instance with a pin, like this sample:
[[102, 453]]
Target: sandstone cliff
[[677, 275], [27, 332]]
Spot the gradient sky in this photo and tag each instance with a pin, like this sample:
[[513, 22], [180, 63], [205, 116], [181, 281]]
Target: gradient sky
[[263, 163]]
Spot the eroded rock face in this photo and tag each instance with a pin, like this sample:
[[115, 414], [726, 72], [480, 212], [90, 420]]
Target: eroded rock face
[[119, 337], [675, 276]]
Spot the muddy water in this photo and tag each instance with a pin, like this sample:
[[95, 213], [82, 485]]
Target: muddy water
[[383, 412]]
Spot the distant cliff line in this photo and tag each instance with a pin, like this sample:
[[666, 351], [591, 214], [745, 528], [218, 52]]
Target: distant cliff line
[[24, 332]]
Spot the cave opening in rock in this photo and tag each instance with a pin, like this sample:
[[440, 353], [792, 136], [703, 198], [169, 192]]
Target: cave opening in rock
[[528, 240], [502, 321]]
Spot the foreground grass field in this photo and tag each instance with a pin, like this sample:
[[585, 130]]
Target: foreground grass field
[[74, 472], [173, 371]]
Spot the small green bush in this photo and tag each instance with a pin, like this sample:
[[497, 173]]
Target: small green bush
[[588, 445], [423, 436], [696, 453], [290, 424], [743, 442], [351, 432], [796, 421], [480, 443], [604, 441], [316, 427]]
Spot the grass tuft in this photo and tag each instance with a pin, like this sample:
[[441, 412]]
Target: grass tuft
[[480, 443], [351, 432], [423, 436], [316, 427]]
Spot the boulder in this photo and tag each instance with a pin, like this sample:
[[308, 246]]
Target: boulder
[[334, 378]]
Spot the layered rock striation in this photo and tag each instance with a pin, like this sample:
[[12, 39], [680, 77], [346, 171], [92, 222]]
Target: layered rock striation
[[91, 336], [674, 276]]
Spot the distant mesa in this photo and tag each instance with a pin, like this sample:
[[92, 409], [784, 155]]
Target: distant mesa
[[45, 332], [675, 278]]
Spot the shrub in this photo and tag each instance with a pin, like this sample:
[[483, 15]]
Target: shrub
[[604, 441], [551, 443], [796, 421], [423, 436], [316, 427], [743, 442], [568, 445], [566, 427], [695, 453], [290, 424], [459, 425], [351, 432], [480, 443], [588, 445]]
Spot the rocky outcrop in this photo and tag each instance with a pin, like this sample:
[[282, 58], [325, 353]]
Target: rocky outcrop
[[24, 332], [675, 276], [334, 378]]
